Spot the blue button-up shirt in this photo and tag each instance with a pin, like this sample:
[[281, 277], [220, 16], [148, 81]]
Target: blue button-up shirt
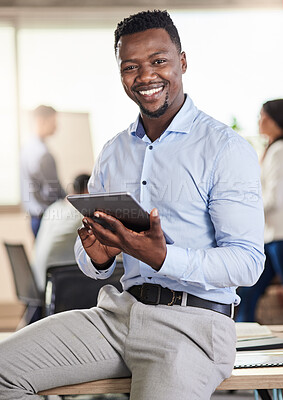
[[204, 179]]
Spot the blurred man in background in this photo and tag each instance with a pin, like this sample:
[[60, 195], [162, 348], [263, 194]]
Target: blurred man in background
[[40, 184]]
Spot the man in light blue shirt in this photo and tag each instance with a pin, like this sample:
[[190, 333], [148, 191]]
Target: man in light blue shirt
[[203, 179], [171, 328]]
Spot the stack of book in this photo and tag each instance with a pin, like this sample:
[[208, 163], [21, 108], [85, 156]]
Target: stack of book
[[257, 346]]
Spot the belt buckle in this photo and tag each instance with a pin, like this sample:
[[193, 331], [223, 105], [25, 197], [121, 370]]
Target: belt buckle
[[150, 293], [174, 298]]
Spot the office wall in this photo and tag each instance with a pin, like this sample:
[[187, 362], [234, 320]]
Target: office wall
[[72, 146]]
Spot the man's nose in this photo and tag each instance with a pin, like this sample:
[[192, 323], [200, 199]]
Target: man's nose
[[146, 73]]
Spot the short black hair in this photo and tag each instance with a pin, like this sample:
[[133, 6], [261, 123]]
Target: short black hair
[[274, 108], [44, 111], [145, 20], [80, 183]]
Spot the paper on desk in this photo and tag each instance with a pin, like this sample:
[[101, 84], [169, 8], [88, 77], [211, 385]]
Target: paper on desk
[[252, 330]]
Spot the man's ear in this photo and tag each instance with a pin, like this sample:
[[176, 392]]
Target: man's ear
[[183, 60]]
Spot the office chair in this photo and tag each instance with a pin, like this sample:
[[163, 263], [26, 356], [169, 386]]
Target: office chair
[[67, 288], [26, 288]]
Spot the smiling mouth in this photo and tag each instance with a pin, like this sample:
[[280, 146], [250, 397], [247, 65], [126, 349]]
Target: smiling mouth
[[150, 92]]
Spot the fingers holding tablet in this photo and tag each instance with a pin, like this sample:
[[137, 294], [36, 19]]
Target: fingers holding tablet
[[91, 240]]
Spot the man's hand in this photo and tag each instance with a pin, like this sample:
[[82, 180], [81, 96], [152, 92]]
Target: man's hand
[[98, 252], [102, 244]]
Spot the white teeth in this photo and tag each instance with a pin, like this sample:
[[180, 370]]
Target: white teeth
[[150, 92]]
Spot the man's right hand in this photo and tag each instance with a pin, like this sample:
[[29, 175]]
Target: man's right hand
[[99, 253]]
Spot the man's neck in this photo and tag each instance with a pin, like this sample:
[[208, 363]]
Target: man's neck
[[154, 127]]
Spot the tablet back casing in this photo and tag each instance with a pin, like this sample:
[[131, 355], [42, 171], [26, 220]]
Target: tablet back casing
[[119, 205]]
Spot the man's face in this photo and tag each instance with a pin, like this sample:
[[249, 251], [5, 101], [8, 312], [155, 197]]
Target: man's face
[[151, 71], [46, 126], [51, 124]]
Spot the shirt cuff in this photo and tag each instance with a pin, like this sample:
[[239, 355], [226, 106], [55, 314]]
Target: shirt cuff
[[175, 265], [100, 273], [106, 273], [85, 264]]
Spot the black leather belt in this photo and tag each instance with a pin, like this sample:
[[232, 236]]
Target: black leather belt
[[149, 293]]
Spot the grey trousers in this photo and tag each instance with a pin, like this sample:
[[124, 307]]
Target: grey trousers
[[172, 352]]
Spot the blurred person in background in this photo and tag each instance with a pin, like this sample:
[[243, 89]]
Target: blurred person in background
[[54, 244], [271, 126], [40, 185]]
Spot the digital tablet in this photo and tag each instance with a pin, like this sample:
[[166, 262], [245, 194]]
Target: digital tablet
[[121, 205]]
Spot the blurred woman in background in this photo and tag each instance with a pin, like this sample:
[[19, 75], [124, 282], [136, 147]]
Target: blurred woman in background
[[271, 126]]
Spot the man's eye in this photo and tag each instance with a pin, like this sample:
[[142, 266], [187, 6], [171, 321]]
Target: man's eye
[[159, 61], [129, 68]]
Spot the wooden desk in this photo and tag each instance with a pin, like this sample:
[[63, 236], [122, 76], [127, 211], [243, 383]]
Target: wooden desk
[[254, 378], [241, 379]]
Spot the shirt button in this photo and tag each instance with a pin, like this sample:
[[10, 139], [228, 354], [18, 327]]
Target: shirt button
[[144, 182], [150, 147]]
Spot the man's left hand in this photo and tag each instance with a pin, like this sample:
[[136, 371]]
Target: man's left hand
[[147, 246]]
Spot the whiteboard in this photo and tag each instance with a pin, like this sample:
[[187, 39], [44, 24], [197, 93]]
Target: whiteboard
[[71, 146]]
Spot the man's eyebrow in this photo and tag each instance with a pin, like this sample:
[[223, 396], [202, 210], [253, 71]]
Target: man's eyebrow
[[128, 61], [157, 53]]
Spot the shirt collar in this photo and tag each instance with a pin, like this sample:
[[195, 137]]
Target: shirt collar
[[181, 123]]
